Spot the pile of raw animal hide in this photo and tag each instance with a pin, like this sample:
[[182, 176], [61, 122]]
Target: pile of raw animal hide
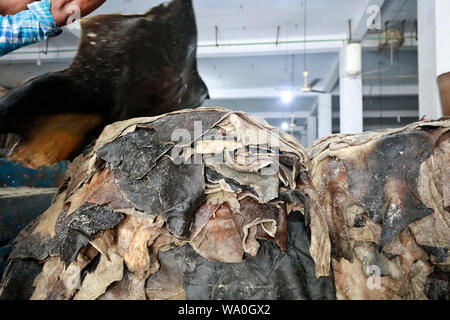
[[214, 204], [386, 196], [196, 204], [127, 66]]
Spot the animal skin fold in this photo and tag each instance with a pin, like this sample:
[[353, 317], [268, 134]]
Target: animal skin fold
[[147, 213], [127, 66], [385, 196], [151, 186]]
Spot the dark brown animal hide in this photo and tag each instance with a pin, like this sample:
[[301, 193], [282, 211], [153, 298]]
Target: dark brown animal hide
[[127, 66], [142, 215], [385, 196], [230, 213]]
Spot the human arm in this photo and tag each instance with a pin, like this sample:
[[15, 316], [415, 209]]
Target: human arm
[[27, 27], [10, 7], [40, 21], [61, 9]]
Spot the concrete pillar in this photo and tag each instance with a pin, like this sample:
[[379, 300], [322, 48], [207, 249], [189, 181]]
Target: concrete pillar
[[311, 130], [351, 99], [433, 53], [325, 115], [304, 138]]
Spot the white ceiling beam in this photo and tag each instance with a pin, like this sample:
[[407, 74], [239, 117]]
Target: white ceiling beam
[[402, 90], [254, 93], [330, 43], [375, 127], [367, 114], [281, 114], [387, 114], [248, 93], [374, 91]]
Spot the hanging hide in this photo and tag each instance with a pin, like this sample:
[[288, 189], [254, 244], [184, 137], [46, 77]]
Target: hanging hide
[[127, 66]]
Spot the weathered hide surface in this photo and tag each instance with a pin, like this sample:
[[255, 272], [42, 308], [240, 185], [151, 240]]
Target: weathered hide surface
[[127, 66], [386, 198], [214, 204], [193, 204]]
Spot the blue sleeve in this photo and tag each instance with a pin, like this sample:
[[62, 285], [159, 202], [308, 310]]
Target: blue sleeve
[[27, 27]]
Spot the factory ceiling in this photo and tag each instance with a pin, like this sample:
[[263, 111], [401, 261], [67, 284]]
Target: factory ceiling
[[248, 51]]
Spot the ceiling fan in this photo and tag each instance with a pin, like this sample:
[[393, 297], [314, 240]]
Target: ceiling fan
[[309, 87]]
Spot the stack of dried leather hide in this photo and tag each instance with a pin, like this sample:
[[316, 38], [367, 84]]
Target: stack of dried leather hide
[[386, 196], [196, 204], [213, 204]]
